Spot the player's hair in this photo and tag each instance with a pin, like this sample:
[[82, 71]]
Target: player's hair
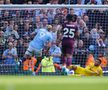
[[99, 60], [69, 17], [72, 18]]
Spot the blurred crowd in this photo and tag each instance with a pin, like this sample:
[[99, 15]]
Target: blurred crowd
[[52, 1], [17, 28]]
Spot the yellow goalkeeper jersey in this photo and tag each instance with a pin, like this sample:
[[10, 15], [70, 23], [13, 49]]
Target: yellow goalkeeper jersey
[[88, 71]]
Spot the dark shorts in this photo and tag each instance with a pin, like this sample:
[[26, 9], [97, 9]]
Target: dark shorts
[[67, 46]]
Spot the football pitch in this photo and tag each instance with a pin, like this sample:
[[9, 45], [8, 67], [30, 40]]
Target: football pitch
[[53, 83]]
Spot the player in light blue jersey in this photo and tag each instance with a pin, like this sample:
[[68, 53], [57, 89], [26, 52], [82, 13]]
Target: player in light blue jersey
[[43, 38]]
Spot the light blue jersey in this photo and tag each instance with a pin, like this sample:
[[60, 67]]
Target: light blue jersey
[[41, 38]]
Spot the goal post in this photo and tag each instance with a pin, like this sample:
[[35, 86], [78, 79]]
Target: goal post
[[54, 6]]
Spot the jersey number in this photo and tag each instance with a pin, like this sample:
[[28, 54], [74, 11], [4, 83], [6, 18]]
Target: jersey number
[[69, 33], [42, 34]]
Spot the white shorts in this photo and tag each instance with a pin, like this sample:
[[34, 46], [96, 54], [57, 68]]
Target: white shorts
[[30, 51]]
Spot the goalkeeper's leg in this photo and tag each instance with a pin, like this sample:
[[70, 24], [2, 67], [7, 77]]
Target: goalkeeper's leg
[[72, 67]]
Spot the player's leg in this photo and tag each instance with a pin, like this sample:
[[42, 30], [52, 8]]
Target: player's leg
[[37, 53], [57, 66], [77, 69], [27, 53], [69, 59], [72, 67], [64, 58], [69, 51]]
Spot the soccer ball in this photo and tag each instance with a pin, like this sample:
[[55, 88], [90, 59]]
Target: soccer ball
[[71, 72]]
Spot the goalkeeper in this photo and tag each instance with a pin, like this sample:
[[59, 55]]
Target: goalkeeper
[[91, 70]]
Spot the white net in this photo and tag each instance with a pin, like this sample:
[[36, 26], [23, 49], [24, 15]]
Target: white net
[[18, 23]]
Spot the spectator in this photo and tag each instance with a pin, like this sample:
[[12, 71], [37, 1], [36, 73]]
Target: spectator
[[9, 55], [15, 43], [27, 31], [29, 2], [12, 22], [46, 1], [44, 23], [1, 1], [2, 38], [18, 1], [86, 19], [43, 14], [11, 31], [91, 2], [72, 12], [79, 11], [53, 2], [5, 25], [50, 13], [38, 2], [80, 53], [87, 40], [2, 43], [105, 2], [38, 22], [94, 33], [21, 47], [101, 40], [8, 2], [5, 15], [10, 39], [55, 52], [29, 64], [16, 27], [81, 26], [71, 1]]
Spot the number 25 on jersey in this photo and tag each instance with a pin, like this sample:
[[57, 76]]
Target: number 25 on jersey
[[68, 33]]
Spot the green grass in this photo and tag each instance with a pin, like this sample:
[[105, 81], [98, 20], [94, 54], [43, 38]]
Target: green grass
[[53, 83]]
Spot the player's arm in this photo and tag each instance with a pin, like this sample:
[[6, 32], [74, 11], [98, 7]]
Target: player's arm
[[77, 34], [101, 73], [61, 32], [47, 48], [34, 32], [48, 44]]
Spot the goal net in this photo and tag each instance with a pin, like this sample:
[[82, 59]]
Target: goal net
[[19, 22]]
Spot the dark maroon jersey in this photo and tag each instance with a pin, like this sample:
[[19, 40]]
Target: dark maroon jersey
[[69, 31]]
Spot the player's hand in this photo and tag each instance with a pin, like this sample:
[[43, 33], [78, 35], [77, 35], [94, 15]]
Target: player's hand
[[97, 72]]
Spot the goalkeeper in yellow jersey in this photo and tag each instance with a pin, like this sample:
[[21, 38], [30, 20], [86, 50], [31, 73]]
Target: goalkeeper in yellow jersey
[[91, 70]]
